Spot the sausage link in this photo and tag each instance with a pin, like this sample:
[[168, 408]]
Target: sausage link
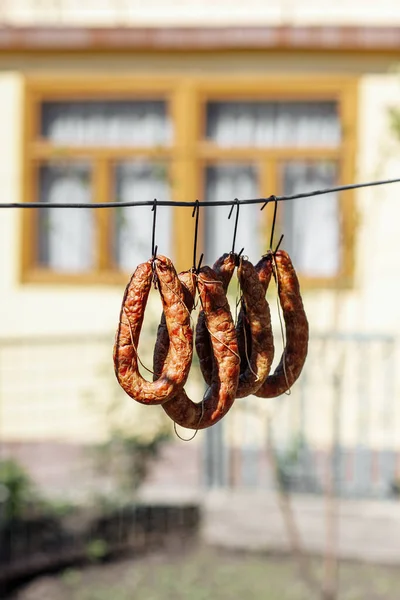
[[221, 394], [177, 364], [258, 363], [264, 272], [223, 269], [296, 325], [161, 348]]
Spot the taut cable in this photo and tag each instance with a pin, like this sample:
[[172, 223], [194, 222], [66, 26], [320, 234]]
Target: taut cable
[[263, 201]]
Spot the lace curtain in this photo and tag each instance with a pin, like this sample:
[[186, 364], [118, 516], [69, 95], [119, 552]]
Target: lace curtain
[[273, 124], [312, 225], [133, 227], [225, 182], [113, 123], [67, 237]]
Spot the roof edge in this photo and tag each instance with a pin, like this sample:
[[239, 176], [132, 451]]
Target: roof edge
[[328, 38]]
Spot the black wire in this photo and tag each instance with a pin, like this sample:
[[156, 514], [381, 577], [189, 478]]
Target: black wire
[[264, 201]]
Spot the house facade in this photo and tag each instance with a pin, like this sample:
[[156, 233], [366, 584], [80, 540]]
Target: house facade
[[186, 100]]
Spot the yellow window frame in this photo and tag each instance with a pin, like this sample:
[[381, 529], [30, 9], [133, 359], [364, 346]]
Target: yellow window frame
[[186, 98]]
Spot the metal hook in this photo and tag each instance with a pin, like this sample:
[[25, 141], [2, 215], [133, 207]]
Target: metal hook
[[196, 211], [200, 261], [153, 237], [278, 244], [237, 204], [273, 221], [267, 201], [275, 200]]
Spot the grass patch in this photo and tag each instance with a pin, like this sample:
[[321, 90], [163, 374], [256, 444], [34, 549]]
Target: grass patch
[[206, 573]]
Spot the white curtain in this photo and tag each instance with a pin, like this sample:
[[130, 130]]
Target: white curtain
[[133, 226], [311, 225], [112, 123], [227, 182], [66, 236], [273, 124]]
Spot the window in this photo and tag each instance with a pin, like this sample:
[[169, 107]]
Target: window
[[87, 146], [165, 139]]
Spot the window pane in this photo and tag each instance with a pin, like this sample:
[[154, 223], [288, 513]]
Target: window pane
[[273, 124], [111, 123], [312, 225], [134, 182], [66, 236], [227, 182]]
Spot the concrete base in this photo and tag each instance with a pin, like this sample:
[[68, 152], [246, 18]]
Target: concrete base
[[252, 520]]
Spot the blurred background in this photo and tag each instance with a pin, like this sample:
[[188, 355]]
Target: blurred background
[[121, 100]]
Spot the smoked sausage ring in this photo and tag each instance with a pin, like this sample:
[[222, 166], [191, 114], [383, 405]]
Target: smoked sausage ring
[[161, 348], [258, 362], [223, 269], [296, 325], [221, 394], [264, 272], [177, 364]]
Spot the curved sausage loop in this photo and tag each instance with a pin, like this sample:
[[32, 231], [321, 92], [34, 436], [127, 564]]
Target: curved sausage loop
[[223, 270], [244, 336], [176, 367], [296, 325], [221, 394], [258, 361], [161, 348]]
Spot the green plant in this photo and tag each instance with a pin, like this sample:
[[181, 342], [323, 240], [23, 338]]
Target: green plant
[[97, 549], [134, 439], [394, 121], [18, 490], [57, 507], [127, 457], [395, 487], [287, 460]]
